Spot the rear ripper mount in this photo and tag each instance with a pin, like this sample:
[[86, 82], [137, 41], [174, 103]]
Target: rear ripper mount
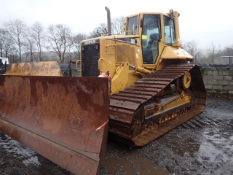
[[156, 104]]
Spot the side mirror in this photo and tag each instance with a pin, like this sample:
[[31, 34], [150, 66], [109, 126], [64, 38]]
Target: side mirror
[[141, 22]]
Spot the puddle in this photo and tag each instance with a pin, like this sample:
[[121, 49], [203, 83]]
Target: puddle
[[133, 164], [181, 146], [215, 147]]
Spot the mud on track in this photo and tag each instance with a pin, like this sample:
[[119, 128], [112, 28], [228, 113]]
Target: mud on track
[[203, 145]]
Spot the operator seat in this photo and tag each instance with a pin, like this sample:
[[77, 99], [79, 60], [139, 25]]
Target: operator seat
[[150, 48], [153, 38]]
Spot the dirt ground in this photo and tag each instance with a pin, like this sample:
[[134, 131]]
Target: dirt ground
[[203, 145]]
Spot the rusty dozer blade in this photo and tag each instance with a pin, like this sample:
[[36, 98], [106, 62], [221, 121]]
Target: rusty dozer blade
[[58, 118]]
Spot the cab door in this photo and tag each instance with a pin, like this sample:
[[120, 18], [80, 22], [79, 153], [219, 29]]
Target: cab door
[[151, 35]]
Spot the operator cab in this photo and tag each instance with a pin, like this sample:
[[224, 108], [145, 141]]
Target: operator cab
[[151, 34]]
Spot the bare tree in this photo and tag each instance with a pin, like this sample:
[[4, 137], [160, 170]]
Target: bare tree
[[59, 38], [17, 31], [76, 43], [212, 53], [37, 33], [191, 47], [13, 54], [98, 31], [117, 25], [228, 51], [2, 40], [29, 46], [6, 43], [219, 50]]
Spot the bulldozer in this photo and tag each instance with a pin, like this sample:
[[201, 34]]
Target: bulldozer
[[154, 87]]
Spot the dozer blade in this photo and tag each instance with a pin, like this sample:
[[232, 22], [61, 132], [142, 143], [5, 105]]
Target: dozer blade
[[58, 118]]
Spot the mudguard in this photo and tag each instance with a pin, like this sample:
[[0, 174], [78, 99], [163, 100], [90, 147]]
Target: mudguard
[[58, 118]]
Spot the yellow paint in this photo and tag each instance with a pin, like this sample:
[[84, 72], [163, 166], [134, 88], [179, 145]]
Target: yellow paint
[[132, 77], [142, 70], [144, 37], [107, 59], [186, 80], [183, 99], [119, 84], [174, 53], [177, 30], [79, 62]]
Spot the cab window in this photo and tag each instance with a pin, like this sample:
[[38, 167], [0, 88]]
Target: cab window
[[169, 31], [132, 25], [150, 36]]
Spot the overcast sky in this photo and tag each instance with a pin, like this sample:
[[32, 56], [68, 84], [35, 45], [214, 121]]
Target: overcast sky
[[201, 20]]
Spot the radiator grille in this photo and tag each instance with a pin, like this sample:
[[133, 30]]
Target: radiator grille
[[90, 57]]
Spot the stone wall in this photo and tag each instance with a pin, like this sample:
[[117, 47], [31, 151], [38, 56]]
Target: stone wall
[[218, 81]]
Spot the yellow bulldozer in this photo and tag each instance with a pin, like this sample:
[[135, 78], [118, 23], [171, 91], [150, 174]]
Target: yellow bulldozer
[[153, 89]]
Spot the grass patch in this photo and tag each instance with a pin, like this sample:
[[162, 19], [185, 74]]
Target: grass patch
[[203, 70]]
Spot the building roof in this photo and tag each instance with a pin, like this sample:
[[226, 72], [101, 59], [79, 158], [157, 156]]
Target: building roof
[[224, 57]]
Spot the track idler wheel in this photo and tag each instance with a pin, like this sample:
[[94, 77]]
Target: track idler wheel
[[186, 80]]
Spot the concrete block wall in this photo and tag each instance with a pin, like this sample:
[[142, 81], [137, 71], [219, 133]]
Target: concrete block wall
[[218, 80]]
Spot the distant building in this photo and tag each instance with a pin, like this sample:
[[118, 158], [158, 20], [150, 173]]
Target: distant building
[[223, 60], [3, 60]]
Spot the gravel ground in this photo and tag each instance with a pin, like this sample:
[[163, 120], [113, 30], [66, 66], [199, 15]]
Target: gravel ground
[[203, 145]]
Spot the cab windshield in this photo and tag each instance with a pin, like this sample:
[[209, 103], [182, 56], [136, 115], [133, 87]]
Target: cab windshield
[[150, 36]]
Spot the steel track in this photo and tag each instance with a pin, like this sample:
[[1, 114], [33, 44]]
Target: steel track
[[127, 108]]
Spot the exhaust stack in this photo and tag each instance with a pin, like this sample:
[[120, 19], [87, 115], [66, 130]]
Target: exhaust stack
[[109, 20]]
